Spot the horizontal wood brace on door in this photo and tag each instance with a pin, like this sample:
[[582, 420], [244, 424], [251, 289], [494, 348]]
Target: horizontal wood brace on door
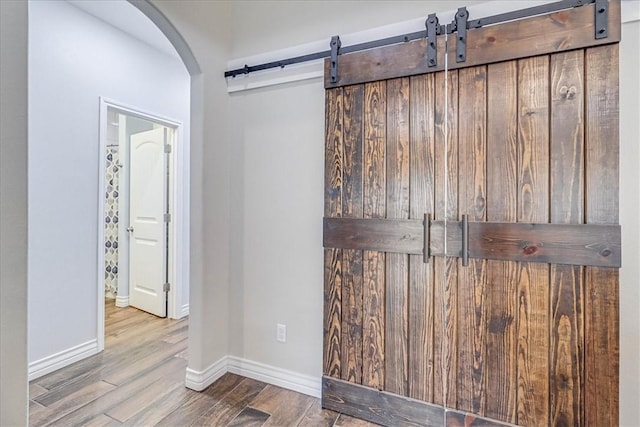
[[564, 30], [390, 409], [573, 244], [377, 406], [601, 18]]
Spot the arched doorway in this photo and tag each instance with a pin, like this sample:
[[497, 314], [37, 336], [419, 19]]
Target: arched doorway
[[16, 302]]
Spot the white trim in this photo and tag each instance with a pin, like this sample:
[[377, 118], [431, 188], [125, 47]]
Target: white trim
[[313, 70], [184, 311], [102, 149], [630, 11], [179, 251], [199, 380], [122, 300], [123, 210], [284, 378], [61, 359], [301, 383]]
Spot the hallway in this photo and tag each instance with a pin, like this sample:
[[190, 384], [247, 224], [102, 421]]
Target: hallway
[[139, 381]]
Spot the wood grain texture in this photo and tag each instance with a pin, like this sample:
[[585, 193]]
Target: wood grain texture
[[270, 401], [152, 414], [193, 407], [157, 396], [334, 147], [375, 234], [446, 208], [472, 280], [567, 136], [102, 421], [316, 416], [352, 207], [502, 136], [572, 244], [563, 31], [374, 199], [154, 392], [378, 406], [375, 163], [348, 421], [69, 404], [351, 351], [332, 312], [142, 364], [461, 419], [397, 265], [567, 206], [533, 206], [421, 201], [602, 294], [225, 411], [249, 417], [333, 187], [103, 403], [352, 203], [586, 244], [35, 390]]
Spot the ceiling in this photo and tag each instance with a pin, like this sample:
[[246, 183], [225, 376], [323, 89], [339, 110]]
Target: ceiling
[[124, 16]]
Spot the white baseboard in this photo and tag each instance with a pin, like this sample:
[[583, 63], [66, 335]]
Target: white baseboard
[[184, 311], [122, 301], [199, 380], [284, 378], [60, 360], [306, 384]]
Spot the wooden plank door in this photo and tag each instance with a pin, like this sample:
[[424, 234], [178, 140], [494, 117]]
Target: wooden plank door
[[524, 141]]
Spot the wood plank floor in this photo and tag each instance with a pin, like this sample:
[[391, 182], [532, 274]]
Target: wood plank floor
[[139, 381]]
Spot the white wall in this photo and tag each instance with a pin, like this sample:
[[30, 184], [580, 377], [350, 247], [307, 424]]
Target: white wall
[[206, 28], [277, 269], [13, 213], [73, 59], [267, 25], [629, 215]]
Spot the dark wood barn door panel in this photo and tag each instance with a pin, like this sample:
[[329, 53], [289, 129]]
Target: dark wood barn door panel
[[525, 147]]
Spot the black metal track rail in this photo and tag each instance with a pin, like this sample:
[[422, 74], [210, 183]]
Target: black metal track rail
[[450, 28]]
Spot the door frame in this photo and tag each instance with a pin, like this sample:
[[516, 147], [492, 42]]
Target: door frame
[[178, 249]]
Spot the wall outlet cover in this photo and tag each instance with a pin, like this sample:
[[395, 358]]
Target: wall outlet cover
[[281, 332]]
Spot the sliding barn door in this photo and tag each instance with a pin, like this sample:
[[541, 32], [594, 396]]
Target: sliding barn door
[[470, 232]]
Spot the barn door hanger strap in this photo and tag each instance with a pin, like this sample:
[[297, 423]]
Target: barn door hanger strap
[[335, 51], [573, 244], [602, 19], [434, 29]]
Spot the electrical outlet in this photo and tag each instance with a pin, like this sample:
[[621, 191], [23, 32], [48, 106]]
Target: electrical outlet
[[281, 332]]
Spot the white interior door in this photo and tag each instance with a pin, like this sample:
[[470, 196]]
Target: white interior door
[[147, 228]]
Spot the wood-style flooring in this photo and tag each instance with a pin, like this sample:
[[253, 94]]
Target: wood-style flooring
[[138, 380]]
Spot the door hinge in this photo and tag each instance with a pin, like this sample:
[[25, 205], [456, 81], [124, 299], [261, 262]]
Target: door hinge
[[167, 148], [166, 287], [167, 217]]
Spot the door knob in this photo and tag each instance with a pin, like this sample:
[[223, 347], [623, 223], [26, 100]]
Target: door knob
[[130, 229]]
